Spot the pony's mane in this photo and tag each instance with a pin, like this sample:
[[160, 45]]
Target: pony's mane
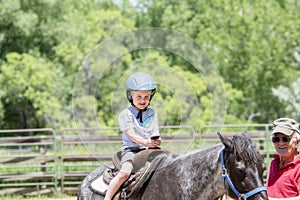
[[244, 148]]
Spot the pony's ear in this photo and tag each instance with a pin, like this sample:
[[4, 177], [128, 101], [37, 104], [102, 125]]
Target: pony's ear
[[226, 141], [246, 134]]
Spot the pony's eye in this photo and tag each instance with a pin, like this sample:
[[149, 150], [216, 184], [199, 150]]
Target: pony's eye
[[241, 171], [239, 174]]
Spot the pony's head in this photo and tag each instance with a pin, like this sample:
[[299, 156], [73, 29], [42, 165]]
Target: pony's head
[[244, 166]]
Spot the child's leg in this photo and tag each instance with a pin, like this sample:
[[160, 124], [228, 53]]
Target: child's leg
[[119, 179]]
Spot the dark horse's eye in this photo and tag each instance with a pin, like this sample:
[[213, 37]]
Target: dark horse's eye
[[238, 175], [242, 173], [240, 170]]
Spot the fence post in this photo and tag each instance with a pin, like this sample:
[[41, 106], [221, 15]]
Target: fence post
[[55, 152], [267, 133], [62, 172]]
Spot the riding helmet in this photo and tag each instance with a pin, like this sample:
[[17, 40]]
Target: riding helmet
[[140, 81]]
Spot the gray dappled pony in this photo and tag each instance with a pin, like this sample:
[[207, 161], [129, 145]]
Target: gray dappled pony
[[197, 175]]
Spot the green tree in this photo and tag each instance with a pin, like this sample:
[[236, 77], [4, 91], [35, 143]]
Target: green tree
[[252, 43], [43, 45], [290, 96], [48, 40], [32, 92]]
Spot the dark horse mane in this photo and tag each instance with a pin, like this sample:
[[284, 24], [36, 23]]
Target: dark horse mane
[[243, 147]]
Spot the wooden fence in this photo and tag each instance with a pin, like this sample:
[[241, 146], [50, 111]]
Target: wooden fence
[[48, 162]]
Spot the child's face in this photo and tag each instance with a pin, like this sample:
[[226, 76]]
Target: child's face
[[141, 98]]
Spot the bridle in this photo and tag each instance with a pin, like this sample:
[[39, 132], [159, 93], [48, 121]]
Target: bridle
[[226, 178]]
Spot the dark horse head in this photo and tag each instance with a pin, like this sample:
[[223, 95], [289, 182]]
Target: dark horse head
[[244, 167], [202, 174]]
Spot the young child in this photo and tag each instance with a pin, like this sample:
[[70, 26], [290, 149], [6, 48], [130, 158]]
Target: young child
[[138, 124]]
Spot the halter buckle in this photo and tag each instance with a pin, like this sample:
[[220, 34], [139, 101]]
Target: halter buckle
[[224, 172], [242, 197]]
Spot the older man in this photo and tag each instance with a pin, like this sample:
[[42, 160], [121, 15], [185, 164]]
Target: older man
[[284, 172]]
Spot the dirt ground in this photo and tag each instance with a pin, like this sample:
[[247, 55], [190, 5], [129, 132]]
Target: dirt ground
[[62, 198]]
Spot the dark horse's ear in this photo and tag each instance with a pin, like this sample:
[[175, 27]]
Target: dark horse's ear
[[246, 134], [226, 141]]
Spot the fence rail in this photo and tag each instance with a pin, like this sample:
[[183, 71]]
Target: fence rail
[[59, 162]]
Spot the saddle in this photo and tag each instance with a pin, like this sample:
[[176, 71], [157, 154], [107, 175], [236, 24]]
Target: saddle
[[144, 165]]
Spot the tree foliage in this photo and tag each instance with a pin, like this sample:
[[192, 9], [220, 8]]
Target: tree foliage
[[289, 96], [252, 42], [32, 92]]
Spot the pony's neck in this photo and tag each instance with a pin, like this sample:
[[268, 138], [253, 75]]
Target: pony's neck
[[202, 174]]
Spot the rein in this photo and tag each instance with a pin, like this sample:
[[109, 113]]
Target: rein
[[226, 178]]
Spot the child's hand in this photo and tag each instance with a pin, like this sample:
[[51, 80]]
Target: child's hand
[[153, 143], [156, 141]]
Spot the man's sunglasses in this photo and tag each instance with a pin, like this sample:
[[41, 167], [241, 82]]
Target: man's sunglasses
[[283, 139]]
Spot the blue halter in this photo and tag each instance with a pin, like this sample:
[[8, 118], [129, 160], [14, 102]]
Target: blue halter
[[225, 177]]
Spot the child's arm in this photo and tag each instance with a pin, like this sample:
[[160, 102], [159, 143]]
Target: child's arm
[[139, 140]]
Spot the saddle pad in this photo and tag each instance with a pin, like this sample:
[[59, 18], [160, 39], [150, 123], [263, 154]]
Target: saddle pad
[[99, 186]]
